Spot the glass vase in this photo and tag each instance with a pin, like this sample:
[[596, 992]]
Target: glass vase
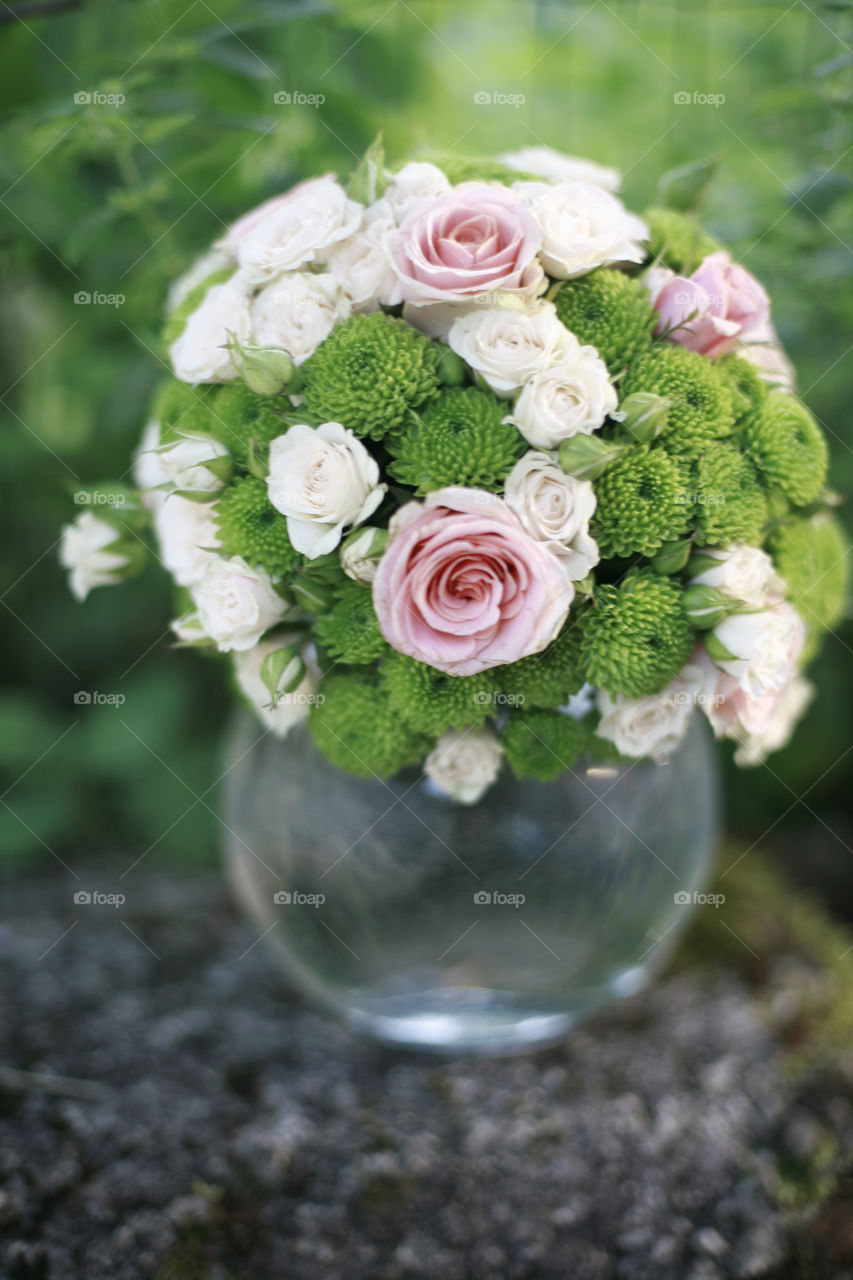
[[484, 928]]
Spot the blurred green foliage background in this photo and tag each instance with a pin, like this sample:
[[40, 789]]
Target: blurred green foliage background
[[118, 199]]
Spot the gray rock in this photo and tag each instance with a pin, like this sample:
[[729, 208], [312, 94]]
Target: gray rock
[[208, 1126]]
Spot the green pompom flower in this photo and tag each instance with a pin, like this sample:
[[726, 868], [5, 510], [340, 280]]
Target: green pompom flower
[[678, 240], [431, 701], [183, 410], [459, 438], [241, 418], [640, 503], [748, 388], [788, 447], [543, 744], [700, 408], [249, 526], [369, 372], [727, 500], [638, 636], [349, 632], [610, 311], [356, 729], [478, 169], [548, 679], [813, 556]]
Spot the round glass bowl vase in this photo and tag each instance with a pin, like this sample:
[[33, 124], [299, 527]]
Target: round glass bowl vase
[[485, 928]]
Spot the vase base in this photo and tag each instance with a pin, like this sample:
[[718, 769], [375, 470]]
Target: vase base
[[474, 1021]]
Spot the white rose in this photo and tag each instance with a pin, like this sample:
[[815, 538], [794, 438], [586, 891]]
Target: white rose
[[216, 259], [186, 537], [742, 573], [295, 230], [555, 509], [583, 226], [573, 398], [200, 354], [361, 554], [323, 479], [762, 647], [507, 344], [148, 470], [362, 264], [297, 312], [84, 552], [789, 706], [555, 166], [236, 604], [413, 183], [289, 708], [464, 765], [763, 349], [184, 462], [189, 630], [655, 725]]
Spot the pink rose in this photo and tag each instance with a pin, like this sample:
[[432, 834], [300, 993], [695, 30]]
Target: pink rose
[[463, 587], [710, 310], [469, 241]]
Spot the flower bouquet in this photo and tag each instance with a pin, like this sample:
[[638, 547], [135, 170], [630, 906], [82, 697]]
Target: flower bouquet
[[470, 467]]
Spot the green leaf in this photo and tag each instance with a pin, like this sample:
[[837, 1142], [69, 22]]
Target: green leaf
[[685, 188], [368, 179]]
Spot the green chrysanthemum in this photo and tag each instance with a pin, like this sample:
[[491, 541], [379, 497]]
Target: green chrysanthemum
[[788, 447], [700, 408], [813, 556], [726, 498], [239, 418], [543, 744], [349, 632], [177, 319], [640, 503], [748, 388], [548, 679], [183, 410], [678, 240], [478, 169], [610, 311], [249, 526], [459, 438], [356, 729], [432, 702], [369, 372], [638, 637]]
